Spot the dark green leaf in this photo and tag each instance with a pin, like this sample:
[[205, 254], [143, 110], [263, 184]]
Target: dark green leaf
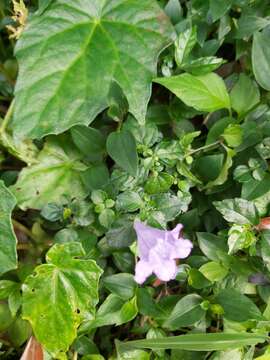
[[8, 241], [237, 307], [103, 44], [121, 147], [185, 313], [261, 58], [122, 285]]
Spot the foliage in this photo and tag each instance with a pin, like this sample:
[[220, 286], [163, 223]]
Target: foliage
[[120, 110]]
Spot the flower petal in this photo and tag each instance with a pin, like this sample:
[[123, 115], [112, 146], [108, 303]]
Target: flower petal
[[164, 269], [176, 231], [167, 271], [182, 248], [147, 237], [142, 271]]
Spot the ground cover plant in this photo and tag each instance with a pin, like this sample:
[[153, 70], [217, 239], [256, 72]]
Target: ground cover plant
[[135, 185]]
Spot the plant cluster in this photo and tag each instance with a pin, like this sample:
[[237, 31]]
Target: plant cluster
[[123, 112]]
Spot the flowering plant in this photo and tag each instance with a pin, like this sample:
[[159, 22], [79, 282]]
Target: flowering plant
[[134, 179]]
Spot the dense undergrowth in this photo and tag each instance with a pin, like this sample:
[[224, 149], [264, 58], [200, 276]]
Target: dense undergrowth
[[117, 113]]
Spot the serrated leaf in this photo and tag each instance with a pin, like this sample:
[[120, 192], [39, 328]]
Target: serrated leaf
[[59, 295], [121, 147], [238, 211], [205, 93], [86, 46], [56, 174], [8, 241]]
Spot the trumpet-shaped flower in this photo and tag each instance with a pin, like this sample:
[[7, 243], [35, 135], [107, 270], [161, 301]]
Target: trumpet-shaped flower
[[158, 250]]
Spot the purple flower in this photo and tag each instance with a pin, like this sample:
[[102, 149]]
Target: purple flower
[[158, 250]]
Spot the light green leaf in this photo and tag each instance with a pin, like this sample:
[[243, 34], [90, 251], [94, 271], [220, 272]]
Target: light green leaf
[[57, 173], [121, 147], [159, 183], [213, 271], [233, 135], [212, 246], [240, 237], [261, 58], [104, 42], [184, 44], [8, 241], [239, 211], [244, 95], [186, 312], [205, 93], [199, 342], [59, 295]]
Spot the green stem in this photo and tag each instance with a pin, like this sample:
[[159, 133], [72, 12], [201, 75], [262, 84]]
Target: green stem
[[7, 117], [206, 147]]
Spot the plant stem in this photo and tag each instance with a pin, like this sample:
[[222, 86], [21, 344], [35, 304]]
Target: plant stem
[[7, 117], [206, 147], [24, 230]]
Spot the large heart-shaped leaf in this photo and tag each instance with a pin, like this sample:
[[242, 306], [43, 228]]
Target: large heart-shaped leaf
[[56, 174], [8, 255], [70, 57], [59, 295]]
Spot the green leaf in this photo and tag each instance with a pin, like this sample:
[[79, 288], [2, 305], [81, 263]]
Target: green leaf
[[184, 44], [159, 183], [114, 310], [128, 201], [197, 280], [89, 141], [237, 307], [106, 218], [240, 237], [202, 66], [121, 234], [122, 285], [205, 93], [244, 95], [95, 177], [212, 246], [174, 10], [103, 44], [249, 23], [199, 342], [253, 189], [56, 174], [208, 167], [217, 130], [170, 205], [261, 58], [218, 8], [186, 312], [224, 173], [59, 295], [8, 241], [213, 271], [121, 147], [239, 211], [233, 135]]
